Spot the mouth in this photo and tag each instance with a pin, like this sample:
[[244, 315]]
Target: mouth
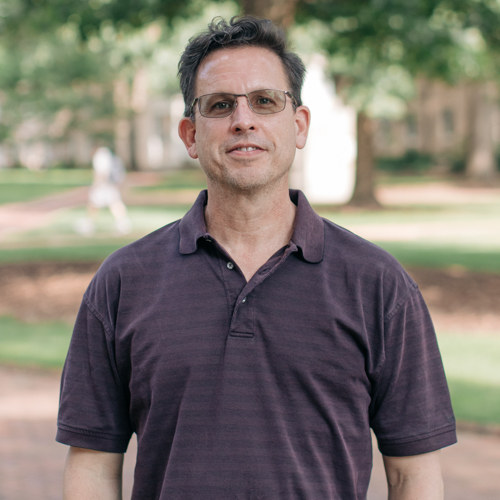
[[244, 148]]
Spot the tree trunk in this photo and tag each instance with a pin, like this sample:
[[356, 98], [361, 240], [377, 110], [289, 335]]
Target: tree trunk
[[130, 120], [123, 124], [481, 162], [138, 104], [364, 187], [281, 12]]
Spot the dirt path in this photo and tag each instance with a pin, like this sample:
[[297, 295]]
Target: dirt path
[[23, 216], [18, 217]]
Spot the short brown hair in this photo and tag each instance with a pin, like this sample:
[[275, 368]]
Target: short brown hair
[[239, 32]]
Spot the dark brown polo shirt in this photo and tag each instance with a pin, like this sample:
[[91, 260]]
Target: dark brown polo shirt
[[266, 389]]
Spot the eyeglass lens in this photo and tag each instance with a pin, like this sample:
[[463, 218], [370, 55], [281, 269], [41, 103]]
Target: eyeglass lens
[[263, 102]]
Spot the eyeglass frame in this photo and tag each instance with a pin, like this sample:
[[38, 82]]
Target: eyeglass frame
[[197, 100]]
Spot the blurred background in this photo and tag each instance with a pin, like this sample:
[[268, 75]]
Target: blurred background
[[404, 150]]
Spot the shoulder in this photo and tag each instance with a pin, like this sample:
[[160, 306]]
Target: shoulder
[[138, 260], [353, 250], [365, 266]]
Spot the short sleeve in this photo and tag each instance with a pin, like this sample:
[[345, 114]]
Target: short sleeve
[[411, 410], [93, 408]]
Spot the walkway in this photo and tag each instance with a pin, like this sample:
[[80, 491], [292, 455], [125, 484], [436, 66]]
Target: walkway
[[24, 216], [31, 462], [18, 217]]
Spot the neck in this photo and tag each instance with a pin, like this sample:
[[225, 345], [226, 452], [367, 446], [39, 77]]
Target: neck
[[250, 227]]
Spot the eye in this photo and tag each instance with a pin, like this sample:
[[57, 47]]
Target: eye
[[221, 105], [216, 105], [267, 101], [264, 101]]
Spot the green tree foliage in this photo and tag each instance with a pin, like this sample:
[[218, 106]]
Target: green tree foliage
[[49, 73], [26, 17], [447, 39], [72, 55], [52, 79], [377, 48], [79, 61]]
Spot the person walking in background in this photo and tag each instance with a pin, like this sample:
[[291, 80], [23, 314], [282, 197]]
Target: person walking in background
[[108, 176], [252, 345]]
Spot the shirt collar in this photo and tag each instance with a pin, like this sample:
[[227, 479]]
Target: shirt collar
[[309, 230], [308, 234], [192, 226]]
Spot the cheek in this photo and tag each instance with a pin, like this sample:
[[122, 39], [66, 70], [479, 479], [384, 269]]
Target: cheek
[[200, 145], [290, 138], [207, 150], [207, 140]]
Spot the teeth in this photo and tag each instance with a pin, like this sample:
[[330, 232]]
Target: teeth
[[251, 148]]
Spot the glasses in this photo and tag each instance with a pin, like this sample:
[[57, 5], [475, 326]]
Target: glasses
[[262, 102]]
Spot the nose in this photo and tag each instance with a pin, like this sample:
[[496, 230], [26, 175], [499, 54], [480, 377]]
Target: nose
[[242, 118]]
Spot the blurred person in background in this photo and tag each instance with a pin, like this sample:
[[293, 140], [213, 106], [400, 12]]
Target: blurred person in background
[[108, 176], [252, 345]]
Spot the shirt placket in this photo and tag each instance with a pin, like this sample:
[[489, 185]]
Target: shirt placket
[[241, 293]]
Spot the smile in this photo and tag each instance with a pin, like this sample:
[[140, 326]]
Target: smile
[[241, 147]]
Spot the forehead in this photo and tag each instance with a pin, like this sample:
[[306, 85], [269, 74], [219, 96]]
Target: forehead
[[240, 70]]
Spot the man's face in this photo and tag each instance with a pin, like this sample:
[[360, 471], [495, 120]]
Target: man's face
[[245, 151]]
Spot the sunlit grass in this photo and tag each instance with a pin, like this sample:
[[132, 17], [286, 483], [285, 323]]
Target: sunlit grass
[[462, 224], [437, 255], [143, 220], [61, 240], [192, 178], [90, 252], [43, 344], [475, 357], [442, 236], [20, 184], [471, 364]]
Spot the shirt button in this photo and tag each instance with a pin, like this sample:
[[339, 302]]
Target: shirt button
[[230, 265], [243, 300]]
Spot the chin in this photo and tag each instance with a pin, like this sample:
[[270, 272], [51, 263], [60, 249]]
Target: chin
[[254, 186]]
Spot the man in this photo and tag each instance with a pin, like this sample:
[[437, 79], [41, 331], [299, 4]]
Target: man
[[251, 345]]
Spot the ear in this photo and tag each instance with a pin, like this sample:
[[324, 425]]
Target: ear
[[187, 132], [302, 120]]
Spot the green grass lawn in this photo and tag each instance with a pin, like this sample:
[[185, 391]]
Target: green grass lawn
[[438, 255], [43, 344], [191, 178], [20, 184], [472, 367], [61, 241], [463, 235]]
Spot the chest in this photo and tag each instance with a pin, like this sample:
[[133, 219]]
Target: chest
[[204, 331]]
